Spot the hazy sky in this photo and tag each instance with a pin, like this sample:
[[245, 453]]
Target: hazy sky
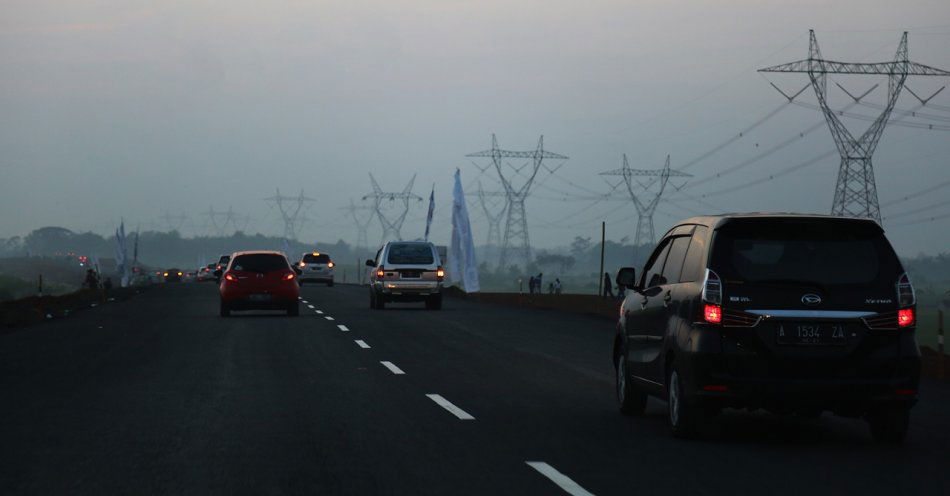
[[132, 109]]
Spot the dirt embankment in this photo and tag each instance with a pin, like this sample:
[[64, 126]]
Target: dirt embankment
[[20, 313]]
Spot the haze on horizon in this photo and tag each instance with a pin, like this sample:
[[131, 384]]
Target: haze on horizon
[[133, 109]]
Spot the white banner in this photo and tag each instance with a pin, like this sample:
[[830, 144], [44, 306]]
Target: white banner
[[462, 267]]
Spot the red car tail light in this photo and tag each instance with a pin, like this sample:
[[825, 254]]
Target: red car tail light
[[230, 277], [712, 314], [289, 276], [905, 317]]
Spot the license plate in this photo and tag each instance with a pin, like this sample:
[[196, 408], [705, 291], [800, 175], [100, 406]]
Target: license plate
[[259, 297], [810, 334]]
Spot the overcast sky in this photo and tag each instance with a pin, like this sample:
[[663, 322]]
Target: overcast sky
[[136, 109]]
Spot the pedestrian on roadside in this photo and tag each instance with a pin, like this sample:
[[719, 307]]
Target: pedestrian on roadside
[[551, 288], [531, 283], [621, 289], [557, 286], [539, 283], [92, 281], [608, 287]]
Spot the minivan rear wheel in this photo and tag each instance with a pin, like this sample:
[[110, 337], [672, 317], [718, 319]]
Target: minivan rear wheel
[[889, 424], [632, 402], [685, 417]]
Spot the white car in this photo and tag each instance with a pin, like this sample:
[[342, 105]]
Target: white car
[[315, 267]]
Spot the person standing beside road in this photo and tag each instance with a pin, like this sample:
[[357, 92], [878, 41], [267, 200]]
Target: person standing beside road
[[538, 282], [557, 286], [608, 288]]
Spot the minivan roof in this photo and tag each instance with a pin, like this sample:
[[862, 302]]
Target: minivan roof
[[717, 221]]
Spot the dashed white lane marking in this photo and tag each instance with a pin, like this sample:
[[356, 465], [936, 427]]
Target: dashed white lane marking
[[319, 311], [343, 328], [362, 344], [328, 317], [392, 368], [454, 410], [303, 300], [310, 306], [563, 481]]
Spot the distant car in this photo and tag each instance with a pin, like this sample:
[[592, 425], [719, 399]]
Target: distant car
[[788, 313], [172, 275], [221, 265], [259, 280], [316, 267], [406, 271], [205, 273], [188, 276]]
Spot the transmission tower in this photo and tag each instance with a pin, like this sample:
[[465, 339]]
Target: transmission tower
[[494, 219], [174, 222], [218, 219], [362, 225], [291, 209], [516, 223], [645, 204], [392, 227], [855, 191]]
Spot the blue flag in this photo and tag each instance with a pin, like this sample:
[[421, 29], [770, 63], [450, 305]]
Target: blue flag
[[431, 211]]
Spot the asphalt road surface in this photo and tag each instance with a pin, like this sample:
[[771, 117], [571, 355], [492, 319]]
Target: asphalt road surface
[[159, 395]]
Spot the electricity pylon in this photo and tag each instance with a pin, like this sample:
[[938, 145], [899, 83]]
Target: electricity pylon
[[215, 217], [855, 191], [174, 222], [362, 225], [494, 219], [291, 209], [516, 223], [644, 203], [392, 227]]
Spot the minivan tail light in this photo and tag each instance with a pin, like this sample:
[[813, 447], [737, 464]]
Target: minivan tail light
[[712, 289], [905, 317], [380, 273], [330, 264], [440, 273], [905, 291], [712, 314]]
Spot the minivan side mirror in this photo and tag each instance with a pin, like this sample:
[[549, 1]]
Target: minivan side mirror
[[370, 263], [627, 277]]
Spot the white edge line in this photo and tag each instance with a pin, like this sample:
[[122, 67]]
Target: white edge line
[[362, 344], [454, 410], [392, 368], [563, 481], [343, 327]]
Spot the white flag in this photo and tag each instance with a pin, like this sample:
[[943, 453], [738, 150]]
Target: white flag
[[462, 267], [431, 211]]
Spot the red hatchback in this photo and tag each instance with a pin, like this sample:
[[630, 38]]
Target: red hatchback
[[259, 280]]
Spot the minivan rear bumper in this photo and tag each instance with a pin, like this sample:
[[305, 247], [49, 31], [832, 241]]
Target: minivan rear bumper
[[712, 377]]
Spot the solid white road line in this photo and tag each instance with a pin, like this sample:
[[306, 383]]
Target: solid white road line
[[328, 317], [563, 481], [343, 327], [362, 344], [454, 410], [392, 368]]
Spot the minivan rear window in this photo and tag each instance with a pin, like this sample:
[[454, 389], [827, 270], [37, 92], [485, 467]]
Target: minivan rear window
[[260, 262], [321, 258], [820, 251], [410, 253]]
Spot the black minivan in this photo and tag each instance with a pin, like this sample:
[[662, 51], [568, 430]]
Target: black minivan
[[785, 312]]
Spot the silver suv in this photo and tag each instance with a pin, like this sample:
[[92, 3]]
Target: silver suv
[[316, 267], [406, 271]]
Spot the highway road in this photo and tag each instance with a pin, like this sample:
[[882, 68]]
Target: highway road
[[159, 395]]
